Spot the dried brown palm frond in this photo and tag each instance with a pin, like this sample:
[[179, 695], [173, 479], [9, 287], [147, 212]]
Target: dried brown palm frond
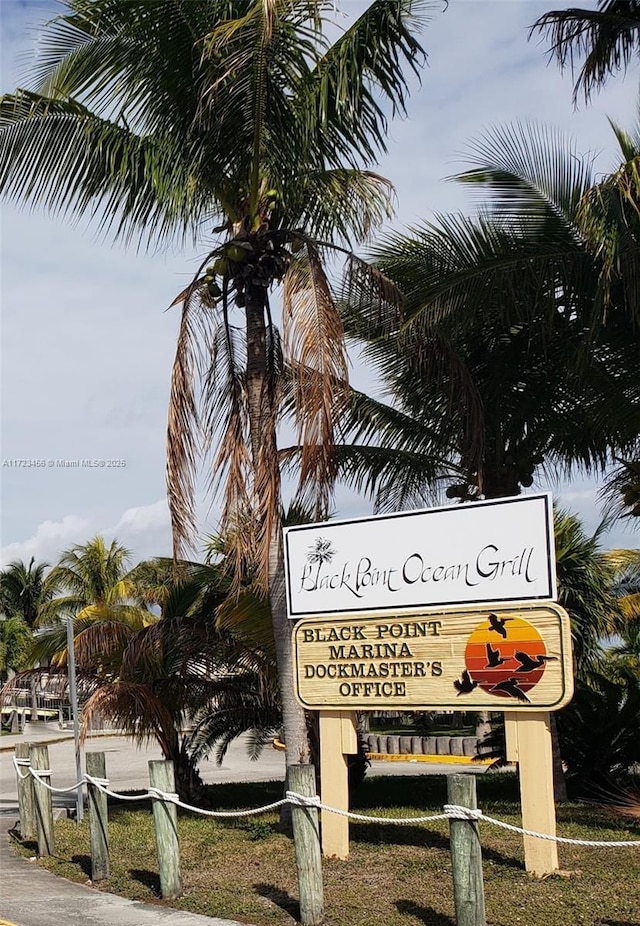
[[367, 290], [226, 424], [315, 349], [623, 800], [131, 705], [100, 635], [183, 435], [50, 681]]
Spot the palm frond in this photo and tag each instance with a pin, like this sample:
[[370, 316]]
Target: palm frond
[[607, 38], [341, 204], [314, 345], [533, 174], [183, 426], [58, 155], [362, 67]]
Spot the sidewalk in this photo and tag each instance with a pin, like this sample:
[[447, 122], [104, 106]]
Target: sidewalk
[[32, 896], [40, 733]]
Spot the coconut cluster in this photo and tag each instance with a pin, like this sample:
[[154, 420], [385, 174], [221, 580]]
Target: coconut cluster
[[255, 261]]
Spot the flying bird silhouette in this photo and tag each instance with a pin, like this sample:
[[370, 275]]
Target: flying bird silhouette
[[466, 684], [494, 658], [529, 663], [497, 624], [511, 687]]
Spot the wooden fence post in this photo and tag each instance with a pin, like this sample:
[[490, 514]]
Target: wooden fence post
[[165, 820], [39, 755], [25, 792], [95, 764], [466, 854], [306, 838]]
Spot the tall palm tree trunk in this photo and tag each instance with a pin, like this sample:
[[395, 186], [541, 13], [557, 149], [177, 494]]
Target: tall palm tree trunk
[[295, 727], [262, 423]]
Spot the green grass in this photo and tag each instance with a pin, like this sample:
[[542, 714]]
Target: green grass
[[395, 875]]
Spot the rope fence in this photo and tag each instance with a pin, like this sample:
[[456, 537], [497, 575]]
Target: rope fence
[[450, 811]]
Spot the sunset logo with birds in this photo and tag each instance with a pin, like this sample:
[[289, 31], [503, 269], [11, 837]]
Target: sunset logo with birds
[[504, 656]]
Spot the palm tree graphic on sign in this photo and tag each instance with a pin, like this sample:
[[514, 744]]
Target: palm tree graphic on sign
[[321, 552]]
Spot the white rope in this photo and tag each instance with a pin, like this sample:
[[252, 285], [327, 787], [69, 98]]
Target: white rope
[[302, 800], [234, 813], [450, 811], [459, 812], [38, 774], [597, 843], [17, 763], [365, 818], [92, 780], [170, 796]]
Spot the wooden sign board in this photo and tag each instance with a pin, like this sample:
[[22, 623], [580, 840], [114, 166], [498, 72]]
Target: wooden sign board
[[504, 659], [487, 552]]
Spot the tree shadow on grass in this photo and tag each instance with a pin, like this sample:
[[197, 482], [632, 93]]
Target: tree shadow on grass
[[83, 862], [149, 878], [426, 915], [30, 845], [507, 861], [397, 835], [280, 898]]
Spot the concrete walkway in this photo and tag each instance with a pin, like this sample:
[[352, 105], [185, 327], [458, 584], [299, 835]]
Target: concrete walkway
[[32, 896]]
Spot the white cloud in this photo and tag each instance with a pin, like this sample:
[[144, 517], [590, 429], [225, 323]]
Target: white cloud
[[48, 541], [144, 530]]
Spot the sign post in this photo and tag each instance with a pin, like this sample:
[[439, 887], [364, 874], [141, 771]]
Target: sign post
[[338, 739], [535, 768]]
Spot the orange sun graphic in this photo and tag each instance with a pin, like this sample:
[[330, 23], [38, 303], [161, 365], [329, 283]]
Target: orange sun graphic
[[506, 656]]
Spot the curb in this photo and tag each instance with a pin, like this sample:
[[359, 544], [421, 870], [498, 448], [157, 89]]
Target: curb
[[437, 760], [49, 742]]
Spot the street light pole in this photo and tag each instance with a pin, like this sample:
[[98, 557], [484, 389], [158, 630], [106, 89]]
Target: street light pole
[[73, 696]]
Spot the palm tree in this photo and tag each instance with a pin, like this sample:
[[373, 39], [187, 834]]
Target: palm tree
[[182, 681], [512, 353], [26, 592], [585, 577], [511, 307], [624, 622], [101, 599], [15, 640], [164, 119], [607, 38]]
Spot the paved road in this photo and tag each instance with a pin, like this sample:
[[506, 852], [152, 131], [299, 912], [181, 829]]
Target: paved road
[[30, 896]]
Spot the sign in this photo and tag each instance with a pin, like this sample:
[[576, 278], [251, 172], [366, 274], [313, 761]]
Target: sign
[[507, 659], [494, 551]]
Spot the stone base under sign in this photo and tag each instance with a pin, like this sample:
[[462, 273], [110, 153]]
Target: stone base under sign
[[463, 746]]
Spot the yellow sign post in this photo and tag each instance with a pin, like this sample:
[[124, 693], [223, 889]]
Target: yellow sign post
[[338, 739]]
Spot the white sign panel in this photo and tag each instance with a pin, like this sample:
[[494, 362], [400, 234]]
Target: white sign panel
[[494, 551]]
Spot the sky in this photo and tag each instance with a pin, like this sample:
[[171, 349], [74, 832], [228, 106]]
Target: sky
[[87, 343]]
